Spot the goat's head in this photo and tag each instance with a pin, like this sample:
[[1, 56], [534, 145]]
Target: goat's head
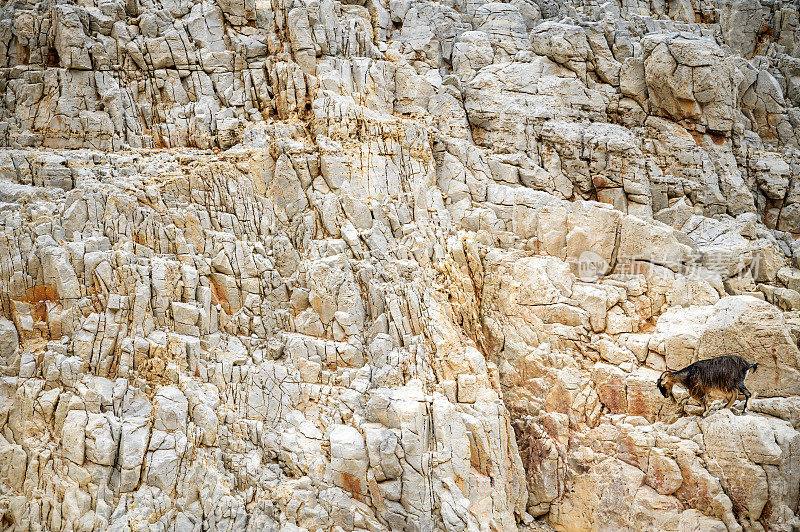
[[663, 381]]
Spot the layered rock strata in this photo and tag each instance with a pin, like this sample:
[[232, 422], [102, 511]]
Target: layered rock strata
[[394, 265]]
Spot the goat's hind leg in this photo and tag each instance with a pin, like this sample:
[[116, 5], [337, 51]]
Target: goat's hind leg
[[732, 398], [742, 388]]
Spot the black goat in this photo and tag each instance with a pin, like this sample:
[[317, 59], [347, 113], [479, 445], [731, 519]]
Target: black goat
[[724, 374]]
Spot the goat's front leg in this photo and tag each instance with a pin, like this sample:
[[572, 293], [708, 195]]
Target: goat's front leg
[[682, 403], [704, 402]]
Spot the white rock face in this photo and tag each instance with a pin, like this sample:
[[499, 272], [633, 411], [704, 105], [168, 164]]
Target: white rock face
[[394, 265]]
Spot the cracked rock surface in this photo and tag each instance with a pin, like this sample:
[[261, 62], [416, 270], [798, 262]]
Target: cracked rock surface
[[392, 265]]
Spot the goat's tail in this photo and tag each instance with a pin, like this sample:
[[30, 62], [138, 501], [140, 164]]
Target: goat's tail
[[753, 368]]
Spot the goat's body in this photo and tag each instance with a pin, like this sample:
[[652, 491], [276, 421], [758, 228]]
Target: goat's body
[[723, 374]]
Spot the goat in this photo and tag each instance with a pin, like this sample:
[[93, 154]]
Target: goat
[[724, 374]]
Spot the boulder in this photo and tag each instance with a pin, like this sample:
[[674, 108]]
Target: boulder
[[171, 408], [349, 459], [9, 339], [748, 454], [73, 436], [691, 79]]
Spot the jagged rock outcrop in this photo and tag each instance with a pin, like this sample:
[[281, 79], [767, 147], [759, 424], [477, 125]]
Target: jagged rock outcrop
[[392, 265]]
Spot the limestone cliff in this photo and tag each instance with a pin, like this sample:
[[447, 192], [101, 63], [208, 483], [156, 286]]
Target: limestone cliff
[[396, 265]]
